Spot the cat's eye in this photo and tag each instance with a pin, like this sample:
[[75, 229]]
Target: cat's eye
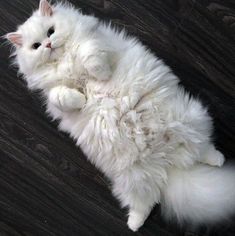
[[36, 45], [50, 31]]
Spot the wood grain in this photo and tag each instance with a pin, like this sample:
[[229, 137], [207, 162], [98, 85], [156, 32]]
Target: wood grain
[[46, 185]]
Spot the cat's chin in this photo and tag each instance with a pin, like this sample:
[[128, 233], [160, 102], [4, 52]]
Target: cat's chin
[[56, 54]]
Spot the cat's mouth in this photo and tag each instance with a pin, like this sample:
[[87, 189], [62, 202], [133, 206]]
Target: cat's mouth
[[56, 53], [54, 49]]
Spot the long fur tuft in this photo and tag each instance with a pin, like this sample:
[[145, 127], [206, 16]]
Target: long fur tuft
[[200, 195]]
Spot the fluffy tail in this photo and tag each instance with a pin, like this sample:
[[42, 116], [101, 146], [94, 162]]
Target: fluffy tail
[[203, 194]]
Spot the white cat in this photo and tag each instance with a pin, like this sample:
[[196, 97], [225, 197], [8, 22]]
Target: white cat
[[126, 111]]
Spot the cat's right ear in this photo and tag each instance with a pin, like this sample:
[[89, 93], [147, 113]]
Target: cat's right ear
[[45, 8], [15, 38]]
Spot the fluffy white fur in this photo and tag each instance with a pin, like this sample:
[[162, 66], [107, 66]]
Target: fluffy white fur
[[125, 109]]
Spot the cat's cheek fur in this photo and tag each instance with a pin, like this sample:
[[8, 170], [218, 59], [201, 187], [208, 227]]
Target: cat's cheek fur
[[57, 40]]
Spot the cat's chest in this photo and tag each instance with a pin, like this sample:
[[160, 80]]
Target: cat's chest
[[71, 71], [70, 66]]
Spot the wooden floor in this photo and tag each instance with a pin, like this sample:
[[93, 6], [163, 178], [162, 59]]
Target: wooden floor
[[47, 188]]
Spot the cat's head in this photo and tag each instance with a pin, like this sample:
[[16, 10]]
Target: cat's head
[[42, 38]]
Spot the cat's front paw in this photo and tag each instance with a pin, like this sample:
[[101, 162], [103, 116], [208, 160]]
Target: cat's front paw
[[66, 99]]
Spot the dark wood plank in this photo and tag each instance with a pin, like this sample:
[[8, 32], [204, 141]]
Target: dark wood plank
[[47, 186]]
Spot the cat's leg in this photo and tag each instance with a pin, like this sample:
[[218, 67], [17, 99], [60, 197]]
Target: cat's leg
[[193, 125], [137, 216], [95, 60], [211, 156], [66, 99], [140, 202], [139, 190]]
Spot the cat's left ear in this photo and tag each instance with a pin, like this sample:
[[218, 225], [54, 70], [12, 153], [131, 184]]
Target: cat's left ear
[[45, 8], [15, 38]]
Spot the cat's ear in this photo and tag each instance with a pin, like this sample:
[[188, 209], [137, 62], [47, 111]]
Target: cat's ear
[[45, 8], [15, 38]]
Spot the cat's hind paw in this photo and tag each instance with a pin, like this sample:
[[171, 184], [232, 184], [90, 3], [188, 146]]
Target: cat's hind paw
[[135, 220], [216, 160], [214, 157]]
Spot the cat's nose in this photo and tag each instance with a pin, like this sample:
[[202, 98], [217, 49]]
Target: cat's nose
[[48, 45]]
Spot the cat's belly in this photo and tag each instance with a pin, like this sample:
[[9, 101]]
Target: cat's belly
[[114, 137]]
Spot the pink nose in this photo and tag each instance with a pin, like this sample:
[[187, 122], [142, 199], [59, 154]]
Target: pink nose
[[48, 45]]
